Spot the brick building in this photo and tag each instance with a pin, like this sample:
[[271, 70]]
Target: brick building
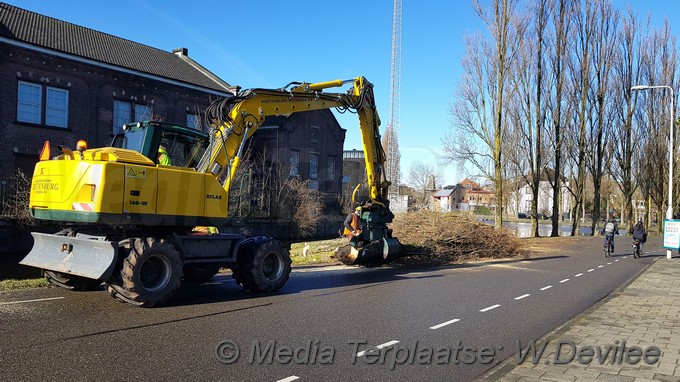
[[465, 196], [63, 82]]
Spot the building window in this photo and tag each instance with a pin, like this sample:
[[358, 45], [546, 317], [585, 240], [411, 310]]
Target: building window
[[313, 166], [331, 168], [56, 107], [314, 138], [126, 112], [121, 115], [142, 112], [294, 163], [30, 105], [193, 121], [29, 102], [528, 190]]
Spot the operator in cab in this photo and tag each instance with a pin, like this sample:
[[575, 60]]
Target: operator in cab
[[163, 156]]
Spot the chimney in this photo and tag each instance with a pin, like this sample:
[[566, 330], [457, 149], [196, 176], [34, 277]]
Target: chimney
[[181, 52]]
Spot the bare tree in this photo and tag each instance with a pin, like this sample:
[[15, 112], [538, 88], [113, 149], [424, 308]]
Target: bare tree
[[479, 112], [561, 11], [604, 44], [423, 178], [264, 188], [627, 74], [658, 67], [584, 22], [525, 107]]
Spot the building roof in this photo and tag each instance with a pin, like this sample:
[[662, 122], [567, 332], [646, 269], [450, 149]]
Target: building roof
[[467, 183], [17, 24], [442, 194]]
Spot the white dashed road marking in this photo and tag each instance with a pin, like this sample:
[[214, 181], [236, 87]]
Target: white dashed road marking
[[289, 379], [38, 300], [386, 344], [489, 308], [444, 324], [578, 275], [546, 287], [522, 296], [563, 281]]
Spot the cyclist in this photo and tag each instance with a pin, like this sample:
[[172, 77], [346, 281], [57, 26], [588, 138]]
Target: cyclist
[[639, 233], [610, 228]]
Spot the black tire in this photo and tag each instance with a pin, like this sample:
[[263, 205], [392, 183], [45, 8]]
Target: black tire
[[199, 273], [71, 282], [262, 266], [150, 274]]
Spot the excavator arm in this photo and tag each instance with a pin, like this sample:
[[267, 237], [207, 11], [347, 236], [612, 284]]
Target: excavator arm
[[236, 119]]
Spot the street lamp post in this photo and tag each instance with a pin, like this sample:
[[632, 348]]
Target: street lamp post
[[671, 150]]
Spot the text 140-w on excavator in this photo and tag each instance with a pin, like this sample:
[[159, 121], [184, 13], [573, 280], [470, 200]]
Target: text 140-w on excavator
[[131, 221]]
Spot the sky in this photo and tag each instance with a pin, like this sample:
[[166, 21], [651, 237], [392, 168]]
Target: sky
[[269, 43]]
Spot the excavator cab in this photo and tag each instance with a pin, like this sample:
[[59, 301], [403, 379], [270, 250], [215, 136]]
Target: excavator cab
[[184, 145]]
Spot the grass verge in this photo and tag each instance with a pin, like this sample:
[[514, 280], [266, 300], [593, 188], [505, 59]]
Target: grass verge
[[315, 252], [13, 284]]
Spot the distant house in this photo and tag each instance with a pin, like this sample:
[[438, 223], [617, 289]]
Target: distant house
[[444, 200], [465, 196], [520, 200]]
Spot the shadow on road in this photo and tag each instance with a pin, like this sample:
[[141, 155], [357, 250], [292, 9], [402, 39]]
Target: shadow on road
[[223, 288]]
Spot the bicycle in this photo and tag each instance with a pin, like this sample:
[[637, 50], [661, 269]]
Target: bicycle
[[608, 245], [636, 248]]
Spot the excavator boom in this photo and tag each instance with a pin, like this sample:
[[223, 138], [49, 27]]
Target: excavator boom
[[235, 119]]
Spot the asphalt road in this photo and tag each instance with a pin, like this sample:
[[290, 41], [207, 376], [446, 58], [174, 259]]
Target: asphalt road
[[438, 324]]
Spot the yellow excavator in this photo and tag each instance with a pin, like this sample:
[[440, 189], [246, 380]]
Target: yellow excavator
[[131, 216]]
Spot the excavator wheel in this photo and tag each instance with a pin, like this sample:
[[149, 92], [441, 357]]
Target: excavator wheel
[[71, 282], [262, 266], [150, 273], [199, 273]]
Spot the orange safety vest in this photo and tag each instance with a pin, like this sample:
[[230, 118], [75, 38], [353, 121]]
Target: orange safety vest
[[355, 224]]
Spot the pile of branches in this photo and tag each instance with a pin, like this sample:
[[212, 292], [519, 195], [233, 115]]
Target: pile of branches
[[444, 238]]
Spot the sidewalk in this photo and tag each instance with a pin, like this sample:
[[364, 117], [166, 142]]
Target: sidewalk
[[645, 313]]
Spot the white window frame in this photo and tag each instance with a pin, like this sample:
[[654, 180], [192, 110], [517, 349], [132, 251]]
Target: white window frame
[[56, 114], [135, 112], [26, 107], [143, 112], [118, 120], [54, 111]]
